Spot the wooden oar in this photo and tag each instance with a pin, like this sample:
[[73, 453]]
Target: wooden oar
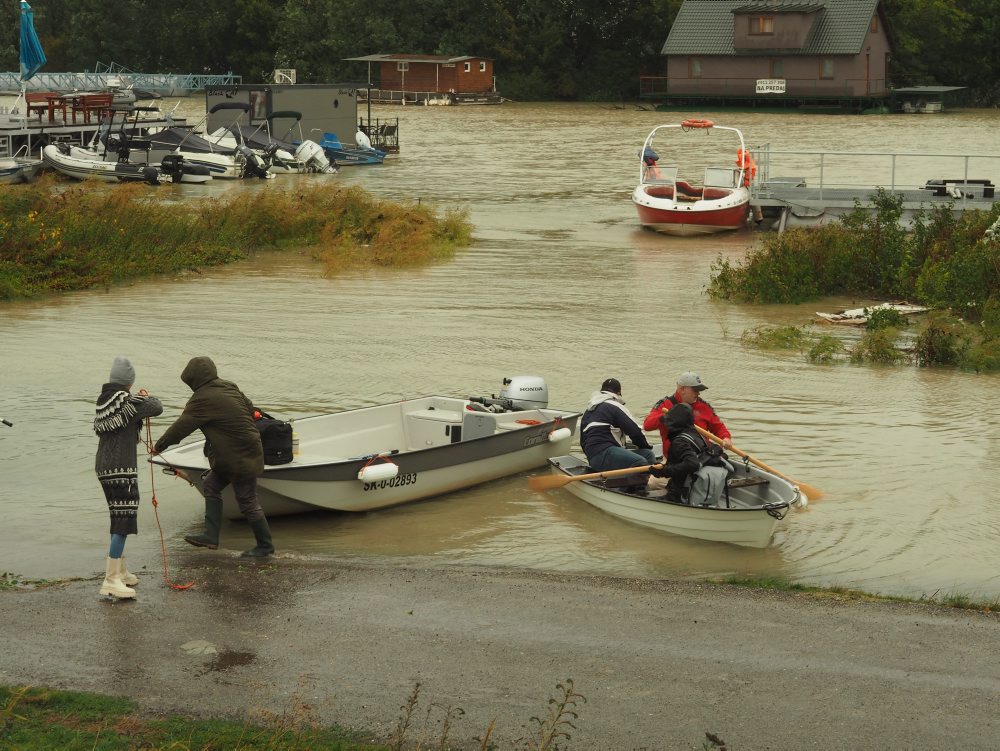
[[548, 482], [812, 493]]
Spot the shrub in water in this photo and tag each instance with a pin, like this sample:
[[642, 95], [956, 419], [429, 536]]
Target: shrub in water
[[825, 349], [878, 347], [885, 318], [943, 341]]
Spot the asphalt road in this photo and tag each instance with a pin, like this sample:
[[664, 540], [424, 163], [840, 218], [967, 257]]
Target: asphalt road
[[660, 663]]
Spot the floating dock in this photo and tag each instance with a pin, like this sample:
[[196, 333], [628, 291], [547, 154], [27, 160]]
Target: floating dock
[[824, 189]]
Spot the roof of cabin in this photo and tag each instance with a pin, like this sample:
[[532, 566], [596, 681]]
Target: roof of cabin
[[705, 27]]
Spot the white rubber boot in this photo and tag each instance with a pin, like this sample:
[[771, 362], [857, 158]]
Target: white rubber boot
[[128, 579], [113, 585]]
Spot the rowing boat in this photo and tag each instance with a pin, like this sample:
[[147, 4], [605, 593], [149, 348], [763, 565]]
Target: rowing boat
[[754, 504]]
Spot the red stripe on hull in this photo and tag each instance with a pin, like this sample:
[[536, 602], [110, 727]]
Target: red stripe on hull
[[691, 222]]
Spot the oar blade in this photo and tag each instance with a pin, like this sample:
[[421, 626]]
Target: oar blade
[[548, 482], [812, 492]]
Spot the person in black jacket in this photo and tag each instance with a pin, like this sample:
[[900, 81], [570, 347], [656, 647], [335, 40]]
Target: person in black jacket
[[605, 425], [683, 457]]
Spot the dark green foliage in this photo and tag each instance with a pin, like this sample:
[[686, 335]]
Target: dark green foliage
[[585, 49], [825, 349], [885, 318], [943, 341], [944, 261], [878, 347]]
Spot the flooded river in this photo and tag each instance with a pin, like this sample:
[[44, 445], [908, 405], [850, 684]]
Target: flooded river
[[562, 283]]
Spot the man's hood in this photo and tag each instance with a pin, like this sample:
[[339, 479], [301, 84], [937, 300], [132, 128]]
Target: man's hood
[[679, 417], [599, 397], [199, 371]]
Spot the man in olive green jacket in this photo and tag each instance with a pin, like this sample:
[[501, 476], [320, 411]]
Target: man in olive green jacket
[[225, 415]]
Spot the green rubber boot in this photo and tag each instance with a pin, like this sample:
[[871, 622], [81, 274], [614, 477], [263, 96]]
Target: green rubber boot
[[264, 545], [213, 523]]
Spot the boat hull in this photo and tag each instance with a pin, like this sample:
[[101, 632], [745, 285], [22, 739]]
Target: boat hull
[[439, 447], [695, 218], [750, 522], [83, 168]]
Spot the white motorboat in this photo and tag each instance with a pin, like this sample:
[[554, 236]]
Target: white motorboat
[[19, 168], [374, 457], [754, 503], [283, 155], [668, 203], [231, 164]]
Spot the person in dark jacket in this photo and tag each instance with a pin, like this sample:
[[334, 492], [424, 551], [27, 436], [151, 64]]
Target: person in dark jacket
[[686, 446], [225, 415], [605, 425], [118, 422]]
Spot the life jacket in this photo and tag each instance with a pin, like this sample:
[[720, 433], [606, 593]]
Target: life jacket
[[745, 162]]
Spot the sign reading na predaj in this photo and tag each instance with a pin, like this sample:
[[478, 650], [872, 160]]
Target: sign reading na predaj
[[770, 85]]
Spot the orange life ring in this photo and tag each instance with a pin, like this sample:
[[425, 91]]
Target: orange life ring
[[696, 123]]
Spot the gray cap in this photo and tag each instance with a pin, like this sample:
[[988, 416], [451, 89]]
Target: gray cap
[[122, 372], [691, 379]]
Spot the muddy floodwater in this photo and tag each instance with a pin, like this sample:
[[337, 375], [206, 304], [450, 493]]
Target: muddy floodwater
[[561, 282]]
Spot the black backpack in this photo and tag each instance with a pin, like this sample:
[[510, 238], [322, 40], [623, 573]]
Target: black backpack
[[276, 438]]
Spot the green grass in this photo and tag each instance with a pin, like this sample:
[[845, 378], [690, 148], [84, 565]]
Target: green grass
[[780, 583], [60, 237]]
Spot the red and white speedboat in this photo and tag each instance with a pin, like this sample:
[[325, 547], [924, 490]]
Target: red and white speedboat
[[667, 203]]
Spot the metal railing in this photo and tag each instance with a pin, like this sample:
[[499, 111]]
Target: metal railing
[[167, 84], [839, 170]]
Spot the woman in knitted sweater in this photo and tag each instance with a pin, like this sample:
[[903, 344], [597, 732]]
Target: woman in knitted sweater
[[118, 423]]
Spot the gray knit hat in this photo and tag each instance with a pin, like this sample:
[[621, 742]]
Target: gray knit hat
[[122, 372]]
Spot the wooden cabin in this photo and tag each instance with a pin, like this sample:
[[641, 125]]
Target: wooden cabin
[[808, 53], [430, 79]]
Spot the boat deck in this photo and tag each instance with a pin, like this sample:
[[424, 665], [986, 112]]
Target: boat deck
[[17, 131]]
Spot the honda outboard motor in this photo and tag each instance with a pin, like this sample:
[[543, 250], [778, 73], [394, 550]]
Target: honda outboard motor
[[518, 393], [526, 392]]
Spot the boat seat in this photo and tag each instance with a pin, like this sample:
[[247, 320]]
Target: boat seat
[[638, 479], [746, 482]]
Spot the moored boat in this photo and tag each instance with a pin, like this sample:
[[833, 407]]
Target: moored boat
[[670, 203], [83, 164], [19, 168], [374, 457], [754, 503]]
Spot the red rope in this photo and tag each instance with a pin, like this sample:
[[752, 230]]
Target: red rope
[[152, 483]]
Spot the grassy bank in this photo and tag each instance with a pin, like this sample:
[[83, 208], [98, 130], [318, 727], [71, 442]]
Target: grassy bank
[[60, 237], [43, 718], [945, 262]]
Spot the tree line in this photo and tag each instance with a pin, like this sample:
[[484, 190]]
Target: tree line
[[543, 49]]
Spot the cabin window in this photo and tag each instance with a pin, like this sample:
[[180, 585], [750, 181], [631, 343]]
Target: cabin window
[[695, 69], [761, 24], [482, 67], [402, 67], [468, 67], [874, 26], [777, 69], [826, 68]]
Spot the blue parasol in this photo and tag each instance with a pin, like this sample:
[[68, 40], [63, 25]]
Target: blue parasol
[[32, 56]]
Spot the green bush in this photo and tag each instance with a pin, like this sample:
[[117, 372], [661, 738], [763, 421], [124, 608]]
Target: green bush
[[943, 341], [825, 349], [942, 261], [885, 318], [878, 347]]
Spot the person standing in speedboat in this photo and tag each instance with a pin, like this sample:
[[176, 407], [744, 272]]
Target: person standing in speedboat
[[118, 422], [605, 425]]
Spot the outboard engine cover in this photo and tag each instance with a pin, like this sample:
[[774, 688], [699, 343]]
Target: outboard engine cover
[[312, 155], [526, 392]]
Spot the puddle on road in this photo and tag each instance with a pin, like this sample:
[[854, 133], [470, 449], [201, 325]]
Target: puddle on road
[[227, 659]]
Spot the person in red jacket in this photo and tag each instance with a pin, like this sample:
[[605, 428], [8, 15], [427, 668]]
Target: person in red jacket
[[689, 388]]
